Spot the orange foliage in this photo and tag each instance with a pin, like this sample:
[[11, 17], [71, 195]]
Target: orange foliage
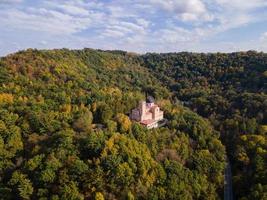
[[6, 98]]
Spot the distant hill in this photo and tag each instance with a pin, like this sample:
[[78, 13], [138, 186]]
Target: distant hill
[[52, 101]]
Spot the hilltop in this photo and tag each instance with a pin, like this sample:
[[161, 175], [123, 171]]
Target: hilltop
[[51, 101]]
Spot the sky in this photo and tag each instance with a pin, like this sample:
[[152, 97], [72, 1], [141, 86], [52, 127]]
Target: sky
[[134, 25]]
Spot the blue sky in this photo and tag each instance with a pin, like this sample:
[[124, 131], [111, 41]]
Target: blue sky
[[139, 26]]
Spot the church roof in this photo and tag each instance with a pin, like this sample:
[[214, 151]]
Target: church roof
[[148, 121]]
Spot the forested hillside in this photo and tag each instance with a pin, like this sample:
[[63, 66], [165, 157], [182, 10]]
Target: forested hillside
[[65, 131], [231, 91]]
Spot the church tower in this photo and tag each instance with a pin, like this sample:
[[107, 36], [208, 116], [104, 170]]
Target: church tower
[[142, 110]]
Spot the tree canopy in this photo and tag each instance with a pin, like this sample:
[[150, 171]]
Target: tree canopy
[[65, 131]]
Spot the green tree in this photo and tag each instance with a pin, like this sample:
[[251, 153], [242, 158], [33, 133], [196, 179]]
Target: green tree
[[124, 123], [21, 184]]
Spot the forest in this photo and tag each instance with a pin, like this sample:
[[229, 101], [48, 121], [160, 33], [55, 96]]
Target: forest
[[65, 131]]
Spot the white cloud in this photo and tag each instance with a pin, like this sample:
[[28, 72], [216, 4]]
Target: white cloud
[[188, 6], [186, 10], [264, 37], [174, 35], [74, 10], [140, 25], [143, 22], [119, 12], [113, 33], [124, 28], [43, 20], [43, 42], [242, 4], [10, 1]]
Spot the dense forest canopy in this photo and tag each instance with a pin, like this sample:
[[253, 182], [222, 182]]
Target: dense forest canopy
[[65, 131]]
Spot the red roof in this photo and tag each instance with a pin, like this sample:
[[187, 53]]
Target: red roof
[[147, 122]]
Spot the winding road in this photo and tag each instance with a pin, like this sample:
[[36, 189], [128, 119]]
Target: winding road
[[228, 188]]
